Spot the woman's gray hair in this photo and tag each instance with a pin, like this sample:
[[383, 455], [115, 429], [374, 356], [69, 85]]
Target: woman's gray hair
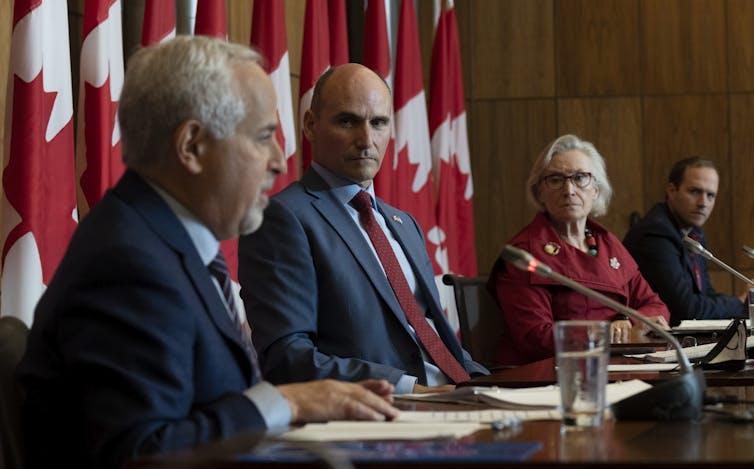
[[189, 77], [563, 144]]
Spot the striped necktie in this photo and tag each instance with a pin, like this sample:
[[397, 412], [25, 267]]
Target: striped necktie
[[219, 269]]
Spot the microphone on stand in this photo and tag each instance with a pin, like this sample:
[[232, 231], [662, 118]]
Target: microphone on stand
[[697, 248], [678, 398]]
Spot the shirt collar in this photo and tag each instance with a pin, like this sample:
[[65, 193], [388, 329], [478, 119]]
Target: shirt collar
[[343, 189], [204, 241]]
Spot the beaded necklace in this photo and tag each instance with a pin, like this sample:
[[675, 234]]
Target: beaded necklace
[[591, 242]]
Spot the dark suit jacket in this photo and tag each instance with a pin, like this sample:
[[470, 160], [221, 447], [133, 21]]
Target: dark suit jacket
[[317, 297], [132, 350], [655, 243]]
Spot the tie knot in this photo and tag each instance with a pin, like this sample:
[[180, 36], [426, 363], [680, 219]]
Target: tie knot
[[362, 202]]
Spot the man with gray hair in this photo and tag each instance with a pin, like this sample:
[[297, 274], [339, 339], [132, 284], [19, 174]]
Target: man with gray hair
[[137, 345]]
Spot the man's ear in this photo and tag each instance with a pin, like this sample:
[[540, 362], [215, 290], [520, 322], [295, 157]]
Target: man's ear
[[670, 190], [190, 144], [309, 123]]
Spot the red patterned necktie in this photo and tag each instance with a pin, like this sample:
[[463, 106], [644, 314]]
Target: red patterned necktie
[[427, 336], [695, 261], [219, 269]]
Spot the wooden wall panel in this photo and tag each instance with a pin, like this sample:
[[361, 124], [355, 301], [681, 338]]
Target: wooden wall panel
[[511, 48], [680, 126], [239, 20], [740, 45], [596, 47], [742, 177], [683, 45], [294, 27], [613, 125], [506, 138]]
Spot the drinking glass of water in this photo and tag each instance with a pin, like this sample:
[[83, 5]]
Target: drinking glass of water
[[582, 352]]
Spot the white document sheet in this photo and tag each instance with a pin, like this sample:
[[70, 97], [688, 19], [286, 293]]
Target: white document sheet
[[640, 367], [535, 398], [396, 430]]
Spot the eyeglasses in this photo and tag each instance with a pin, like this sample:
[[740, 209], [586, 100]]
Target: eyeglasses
[[556, 181]]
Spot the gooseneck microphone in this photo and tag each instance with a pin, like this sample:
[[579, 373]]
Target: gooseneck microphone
[[697, 248], [678, 398]]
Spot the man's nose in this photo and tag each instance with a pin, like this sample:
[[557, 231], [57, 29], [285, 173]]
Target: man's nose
[[277, 159], [363, 135]]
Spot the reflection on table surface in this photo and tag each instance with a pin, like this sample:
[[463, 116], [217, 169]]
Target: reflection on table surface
[[714, 441]]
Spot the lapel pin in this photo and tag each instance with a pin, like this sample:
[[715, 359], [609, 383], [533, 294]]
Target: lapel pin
[[398, 219], [552, 249], [614, 263]]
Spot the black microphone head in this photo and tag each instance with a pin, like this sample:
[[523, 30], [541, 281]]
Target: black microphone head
[[677, 398]]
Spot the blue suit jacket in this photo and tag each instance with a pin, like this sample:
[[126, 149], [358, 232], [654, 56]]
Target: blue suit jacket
[[655, 243], [132, 350], [320, 304]]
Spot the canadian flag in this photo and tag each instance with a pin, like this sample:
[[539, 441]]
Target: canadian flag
[[338, 32], [159, 21], [98, 153], [211, 19], [413, 187], [377, 57], [268, 36], [450, 154], [39, 195], [315, 59]]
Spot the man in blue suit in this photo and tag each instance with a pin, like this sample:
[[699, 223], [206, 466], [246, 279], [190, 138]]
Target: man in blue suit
[[314, 281], [677, 275], [137, 346]]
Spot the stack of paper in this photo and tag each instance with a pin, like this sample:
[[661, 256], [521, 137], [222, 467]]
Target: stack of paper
[[537, 398]]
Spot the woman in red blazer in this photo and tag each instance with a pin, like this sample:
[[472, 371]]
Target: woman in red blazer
[[569, 184]]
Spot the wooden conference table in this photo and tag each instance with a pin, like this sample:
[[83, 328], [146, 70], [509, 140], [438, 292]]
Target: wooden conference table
[[715, 441]]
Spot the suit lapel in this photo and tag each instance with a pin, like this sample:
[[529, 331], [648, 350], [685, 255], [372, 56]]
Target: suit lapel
[[336, 215], [156, 213]]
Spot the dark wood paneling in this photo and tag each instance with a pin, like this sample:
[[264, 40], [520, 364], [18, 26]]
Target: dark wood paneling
[[741, 45], [511, 48], [680, 126], [742, 177], [683, 44], [613, 125], [294, 24], [596, 47], [239, 20], [506, 138]]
